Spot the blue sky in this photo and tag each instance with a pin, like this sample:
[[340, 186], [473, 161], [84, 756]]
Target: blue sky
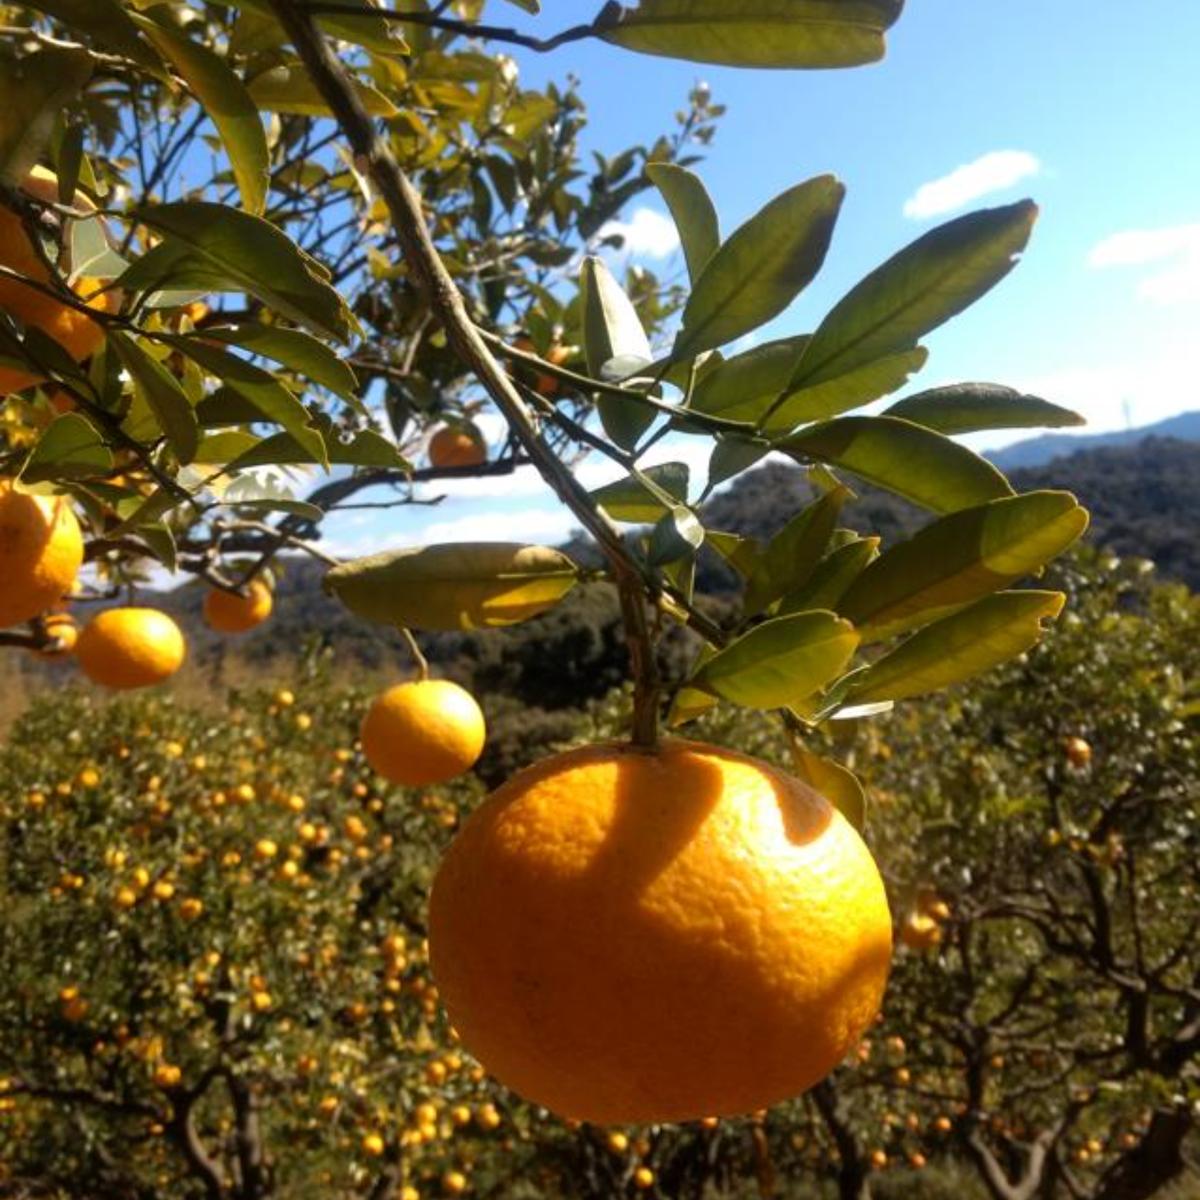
[[1089, 106]]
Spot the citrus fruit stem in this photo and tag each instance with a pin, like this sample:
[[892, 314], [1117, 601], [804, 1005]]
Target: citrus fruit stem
[[419, 659]]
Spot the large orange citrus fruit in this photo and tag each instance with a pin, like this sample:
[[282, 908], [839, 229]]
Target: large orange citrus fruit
[[423, 732], [632, 936], [41, 551], [457, 446], [130, 647], [75, 332], [229, 613]]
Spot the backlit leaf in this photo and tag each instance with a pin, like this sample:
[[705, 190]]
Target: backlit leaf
[[969, 407], [693, 213], [756, 33], [914, 462], [930, 280], [973, 640], [454, 586], [763, 266], [781, 660], [961, 558]]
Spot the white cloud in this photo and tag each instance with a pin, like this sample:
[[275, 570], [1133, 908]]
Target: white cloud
[[989, 173], [519, 525], [1175, 247], [648, 234]]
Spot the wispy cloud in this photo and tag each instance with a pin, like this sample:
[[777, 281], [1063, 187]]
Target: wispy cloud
[[647, 234], [1175, 252], [990, 172]]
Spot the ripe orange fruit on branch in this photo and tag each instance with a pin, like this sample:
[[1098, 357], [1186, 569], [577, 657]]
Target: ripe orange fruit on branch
[[130, 647], [227, 612], [457, 446], [1079, 752], [78, 334], [628, 936], [41, 551], [423, 732], [920, 931], [63, 632]]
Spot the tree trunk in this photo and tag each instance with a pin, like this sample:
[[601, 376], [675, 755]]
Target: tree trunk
[[1153, 1163]]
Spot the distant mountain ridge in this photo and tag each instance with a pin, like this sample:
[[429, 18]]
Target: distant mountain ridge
[[1037, 451]]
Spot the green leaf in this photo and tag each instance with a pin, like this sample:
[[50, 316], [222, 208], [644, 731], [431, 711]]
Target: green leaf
[[251, 255], [677, 535], [69, 448], [455, 586], [611, 325], [831, 577], [741, 553], [938, 275], [731, 456], [613, 330], [35, 90], [630, 501], [693, 213], [294, 349], [836, 783], [961, 558], [781, 660], [793, 553], [860, 386], [763, 266], [160, 389], [290, 90], [755, 33], [970, 407], [258, 388], [743, 387], [916, 463], [227, 103], [370, 31], [991, 631], [107, 22], [365, 449], [688, 704]]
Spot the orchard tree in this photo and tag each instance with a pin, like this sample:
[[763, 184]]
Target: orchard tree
[[284, 234]]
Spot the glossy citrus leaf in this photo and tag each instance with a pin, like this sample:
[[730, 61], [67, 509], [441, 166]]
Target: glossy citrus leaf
[[676, 535], [69, 448], [938, 275], [914, 462], [831, 577], [260, 390], [34, 90], [741, 553], [755, 33], [227, 103], [961, 558], [743, 388], [762, 267], [693, 212], [793, 553], [975, 639], [454, 586], [612, 331], [969, 407], [838, 395], [290, 90], [688, 704], [839, 785], [173, 411], [251, 255], [781, 660], [295, 349], [733, 455], [629, 500], [107, 22]]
